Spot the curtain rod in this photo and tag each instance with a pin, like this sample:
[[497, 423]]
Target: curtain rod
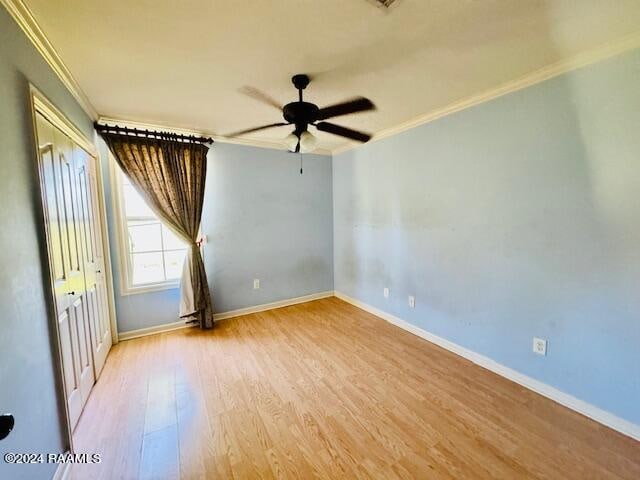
[[150, 133]]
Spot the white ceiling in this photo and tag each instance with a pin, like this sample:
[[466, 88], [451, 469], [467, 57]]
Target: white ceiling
[[182, 63]]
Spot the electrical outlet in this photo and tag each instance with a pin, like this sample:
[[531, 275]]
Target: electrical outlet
[[256, 283], [412, 301], [385, 292], [539, 346]]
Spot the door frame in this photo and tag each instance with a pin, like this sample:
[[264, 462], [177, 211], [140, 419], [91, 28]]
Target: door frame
[[40, 104]]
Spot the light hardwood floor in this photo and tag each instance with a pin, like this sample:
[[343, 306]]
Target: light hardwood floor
[[326, 390]]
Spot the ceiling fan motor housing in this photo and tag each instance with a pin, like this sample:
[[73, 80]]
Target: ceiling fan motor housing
[[301, 114]]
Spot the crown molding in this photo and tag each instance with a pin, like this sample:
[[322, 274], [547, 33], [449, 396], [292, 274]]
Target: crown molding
[[250, 142], [598, 54], [27, 22]]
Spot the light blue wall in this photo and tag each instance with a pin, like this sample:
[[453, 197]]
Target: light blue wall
[[263, 220], [516, 218], [27, 375]]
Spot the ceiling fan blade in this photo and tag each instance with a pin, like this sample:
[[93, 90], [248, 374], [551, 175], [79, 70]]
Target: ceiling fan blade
[[359, 104], [260, 96], [263, 127], [343, 131]]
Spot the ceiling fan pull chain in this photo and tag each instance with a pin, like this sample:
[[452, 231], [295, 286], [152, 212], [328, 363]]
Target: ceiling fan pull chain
[[300, 163]]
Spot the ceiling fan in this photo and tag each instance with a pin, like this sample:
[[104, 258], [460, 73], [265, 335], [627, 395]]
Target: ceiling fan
[[301, 114]]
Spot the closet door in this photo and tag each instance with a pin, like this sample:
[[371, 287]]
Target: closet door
[[63, 223], [91, 241], [79, 294]]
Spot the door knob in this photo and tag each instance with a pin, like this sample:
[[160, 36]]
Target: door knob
[[71, 293], [6, 425]]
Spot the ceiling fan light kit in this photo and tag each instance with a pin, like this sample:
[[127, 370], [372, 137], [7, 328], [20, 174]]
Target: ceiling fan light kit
[[301, 114], [308, 142], [290, 142]]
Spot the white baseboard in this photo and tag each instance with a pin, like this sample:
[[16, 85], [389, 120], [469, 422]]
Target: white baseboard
[[63, 470], [168, 327], [601, 416], [270, 306], [143, 332]]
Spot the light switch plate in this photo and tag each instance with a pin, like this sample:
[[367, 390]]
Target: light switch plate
[[412, 301], [385, 292]]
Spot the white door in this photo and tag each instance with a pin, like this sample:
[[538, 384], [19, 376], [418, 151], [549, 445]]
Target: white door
[[69, 189], [91, 241], [78, 294]]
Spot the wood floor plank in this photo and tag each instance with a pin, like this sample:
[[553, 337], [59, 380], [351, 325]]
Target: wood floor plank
[[326, 390], [159, 457]]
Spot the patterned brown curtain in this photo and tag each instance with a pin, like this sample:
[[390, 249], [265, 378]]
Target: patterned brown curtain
[[170, 175]]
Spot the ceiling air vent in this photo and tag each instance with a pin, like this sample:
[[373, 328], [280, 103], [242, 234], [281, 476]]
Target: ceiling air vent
[[383, 3]]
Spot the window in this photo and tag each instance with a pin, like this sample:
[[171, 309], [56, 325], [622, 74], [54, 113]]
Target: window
[[151, 254]]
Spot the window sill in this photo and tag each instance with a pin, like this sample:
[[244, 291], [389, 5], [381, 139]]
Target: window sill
[[152, 287]]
